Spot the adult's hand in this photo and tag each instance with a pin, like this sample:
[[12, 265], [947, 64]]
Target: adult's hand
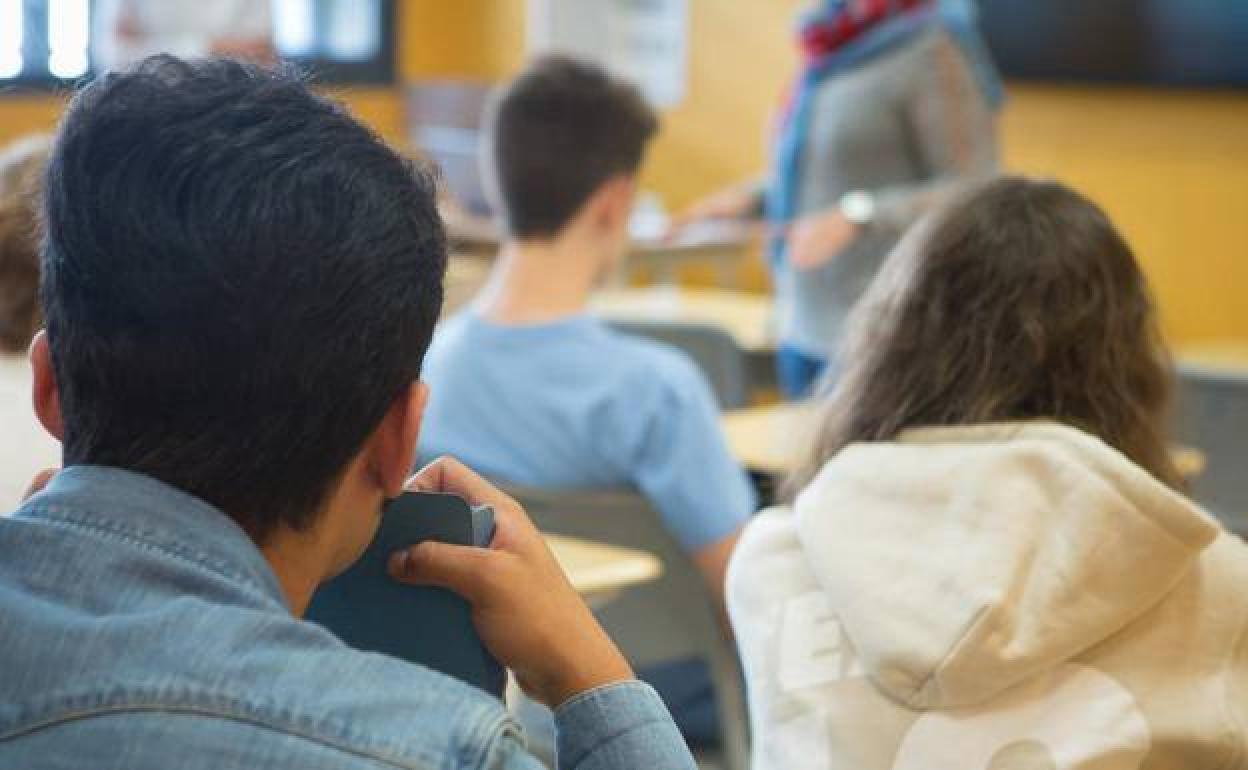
[[40, 481], [815, 239], [739, 202], [526, 611]]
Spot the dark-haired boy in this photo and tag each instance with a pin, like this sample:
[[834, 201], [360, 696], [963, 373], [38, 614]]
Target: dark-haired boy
[[531, 389], [240, 283]]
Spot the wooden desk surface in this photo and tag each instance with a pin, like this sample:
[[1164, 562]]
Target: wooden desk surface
[[744, 315], [595, 569], [771, 439]]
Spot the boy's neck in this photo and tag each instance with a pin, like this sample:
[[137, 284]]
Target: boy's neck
[[537, 281]]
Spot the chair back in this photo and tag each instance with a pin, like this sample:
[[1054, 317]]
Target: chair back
[[1212, 416], [716, 353], [671, 618]]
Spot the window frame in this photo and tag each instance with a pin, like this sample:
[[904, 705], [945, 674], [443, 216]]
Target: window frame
[[380, 70], [44, 81]]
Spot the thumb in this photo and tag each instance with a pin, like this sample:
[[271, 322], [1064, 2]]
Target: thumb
[[460, 568], [40, 481]]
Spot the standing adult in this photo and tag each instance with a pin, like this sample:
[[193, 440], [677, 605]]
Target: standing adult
[[895, 105], [127, 31]]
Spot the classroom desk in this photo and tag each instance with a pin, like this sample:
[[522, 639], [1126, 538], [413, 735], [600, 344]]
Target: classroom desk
[[744, 315], [599, 571], [771, 439]]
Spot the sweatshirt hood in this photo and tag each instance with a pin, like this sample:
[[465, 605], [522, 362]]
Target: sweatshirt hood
[[962, 561]]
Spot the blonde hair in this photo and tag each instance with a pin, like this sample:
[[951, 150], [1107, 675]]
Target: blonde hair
[[1018, 301], [21, 172]]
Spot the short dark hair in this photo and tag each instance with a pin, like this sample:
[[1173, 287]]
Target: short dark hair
[[560, 130], [240, 279]]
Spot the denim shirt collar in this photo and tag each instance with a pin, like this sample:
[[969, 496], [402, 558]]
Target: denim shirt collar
[[160, 516]]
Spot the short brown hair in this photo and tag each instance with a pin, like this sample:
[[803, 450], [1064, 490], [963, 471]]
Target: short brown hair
[[21, 169], [560, 130], [1018, 301]]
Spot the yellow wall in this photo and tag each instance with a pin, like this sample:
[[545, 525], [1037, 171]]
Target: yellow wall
[[475, 39], [1172, 170], [24, 114], [1171, 167], [740, 61]]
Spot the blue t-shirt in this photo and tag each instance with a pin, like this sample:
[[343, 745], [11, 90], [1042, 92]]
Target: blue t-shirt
[[574, 404]]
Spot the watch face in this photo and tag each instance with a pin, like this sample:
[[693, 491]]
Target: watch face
[[858, 207]]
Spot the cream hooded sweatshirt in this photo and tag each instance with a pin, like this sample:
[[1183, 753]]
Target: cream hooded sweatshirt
[[1003, 597]]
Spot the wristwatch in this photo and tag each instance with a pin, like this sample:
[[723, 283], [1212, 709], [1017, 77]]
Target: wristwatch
[[858, 206]]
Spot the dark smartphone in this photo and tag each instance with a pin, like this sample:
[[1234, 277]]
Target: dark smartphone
[[369, 610]]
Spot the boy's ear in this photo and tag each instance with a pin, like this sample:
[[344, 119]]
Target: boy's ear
[[44, 392], [393, 445]]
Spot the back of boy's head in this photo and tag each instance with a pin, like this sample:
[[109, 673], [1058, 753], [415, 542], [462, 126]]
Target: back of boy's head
[[21, 168], [240, 279], [554, 136], [1020, 300]]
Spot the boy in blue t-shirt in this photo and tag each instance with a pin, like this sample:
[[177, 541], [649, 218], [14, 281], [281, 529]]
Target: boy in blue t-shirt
[[530, 389]]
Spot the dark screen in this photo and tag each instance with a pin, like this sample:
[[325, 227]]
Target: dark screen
[[1166, 42]]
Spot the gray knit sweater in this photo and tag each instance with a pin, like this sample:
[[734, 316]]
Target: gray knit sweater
[[909, 127]]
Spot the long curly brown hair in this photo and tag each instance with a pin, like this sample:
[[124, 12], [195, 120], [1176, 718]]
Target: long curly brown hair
[[21, 168], [1019, 300]]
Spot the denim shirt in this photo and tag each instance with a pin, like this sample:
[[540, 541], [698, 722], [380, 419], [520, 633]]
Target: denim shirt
[[141, 628]]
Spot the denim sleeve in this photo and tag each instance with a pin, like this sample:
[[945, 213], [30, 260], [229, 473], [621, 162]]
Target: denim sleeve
[[619, 726]]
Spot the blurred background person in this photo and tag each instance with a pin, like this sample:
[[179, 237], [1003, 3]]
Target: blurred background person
[[895, 104], [992, 561], [27, 448], [126, 31]]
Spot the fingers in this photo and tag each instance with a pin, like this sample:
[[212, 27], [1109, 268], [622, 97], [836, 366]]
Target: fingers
[[448, 475], [465, 570], [39, 482], [728, 206], [682, 220], [513, 529]]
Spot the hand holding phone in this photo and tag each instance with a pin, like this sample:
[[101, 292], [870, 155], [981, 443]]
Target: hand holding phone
[[368, 610], [526, 611]]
